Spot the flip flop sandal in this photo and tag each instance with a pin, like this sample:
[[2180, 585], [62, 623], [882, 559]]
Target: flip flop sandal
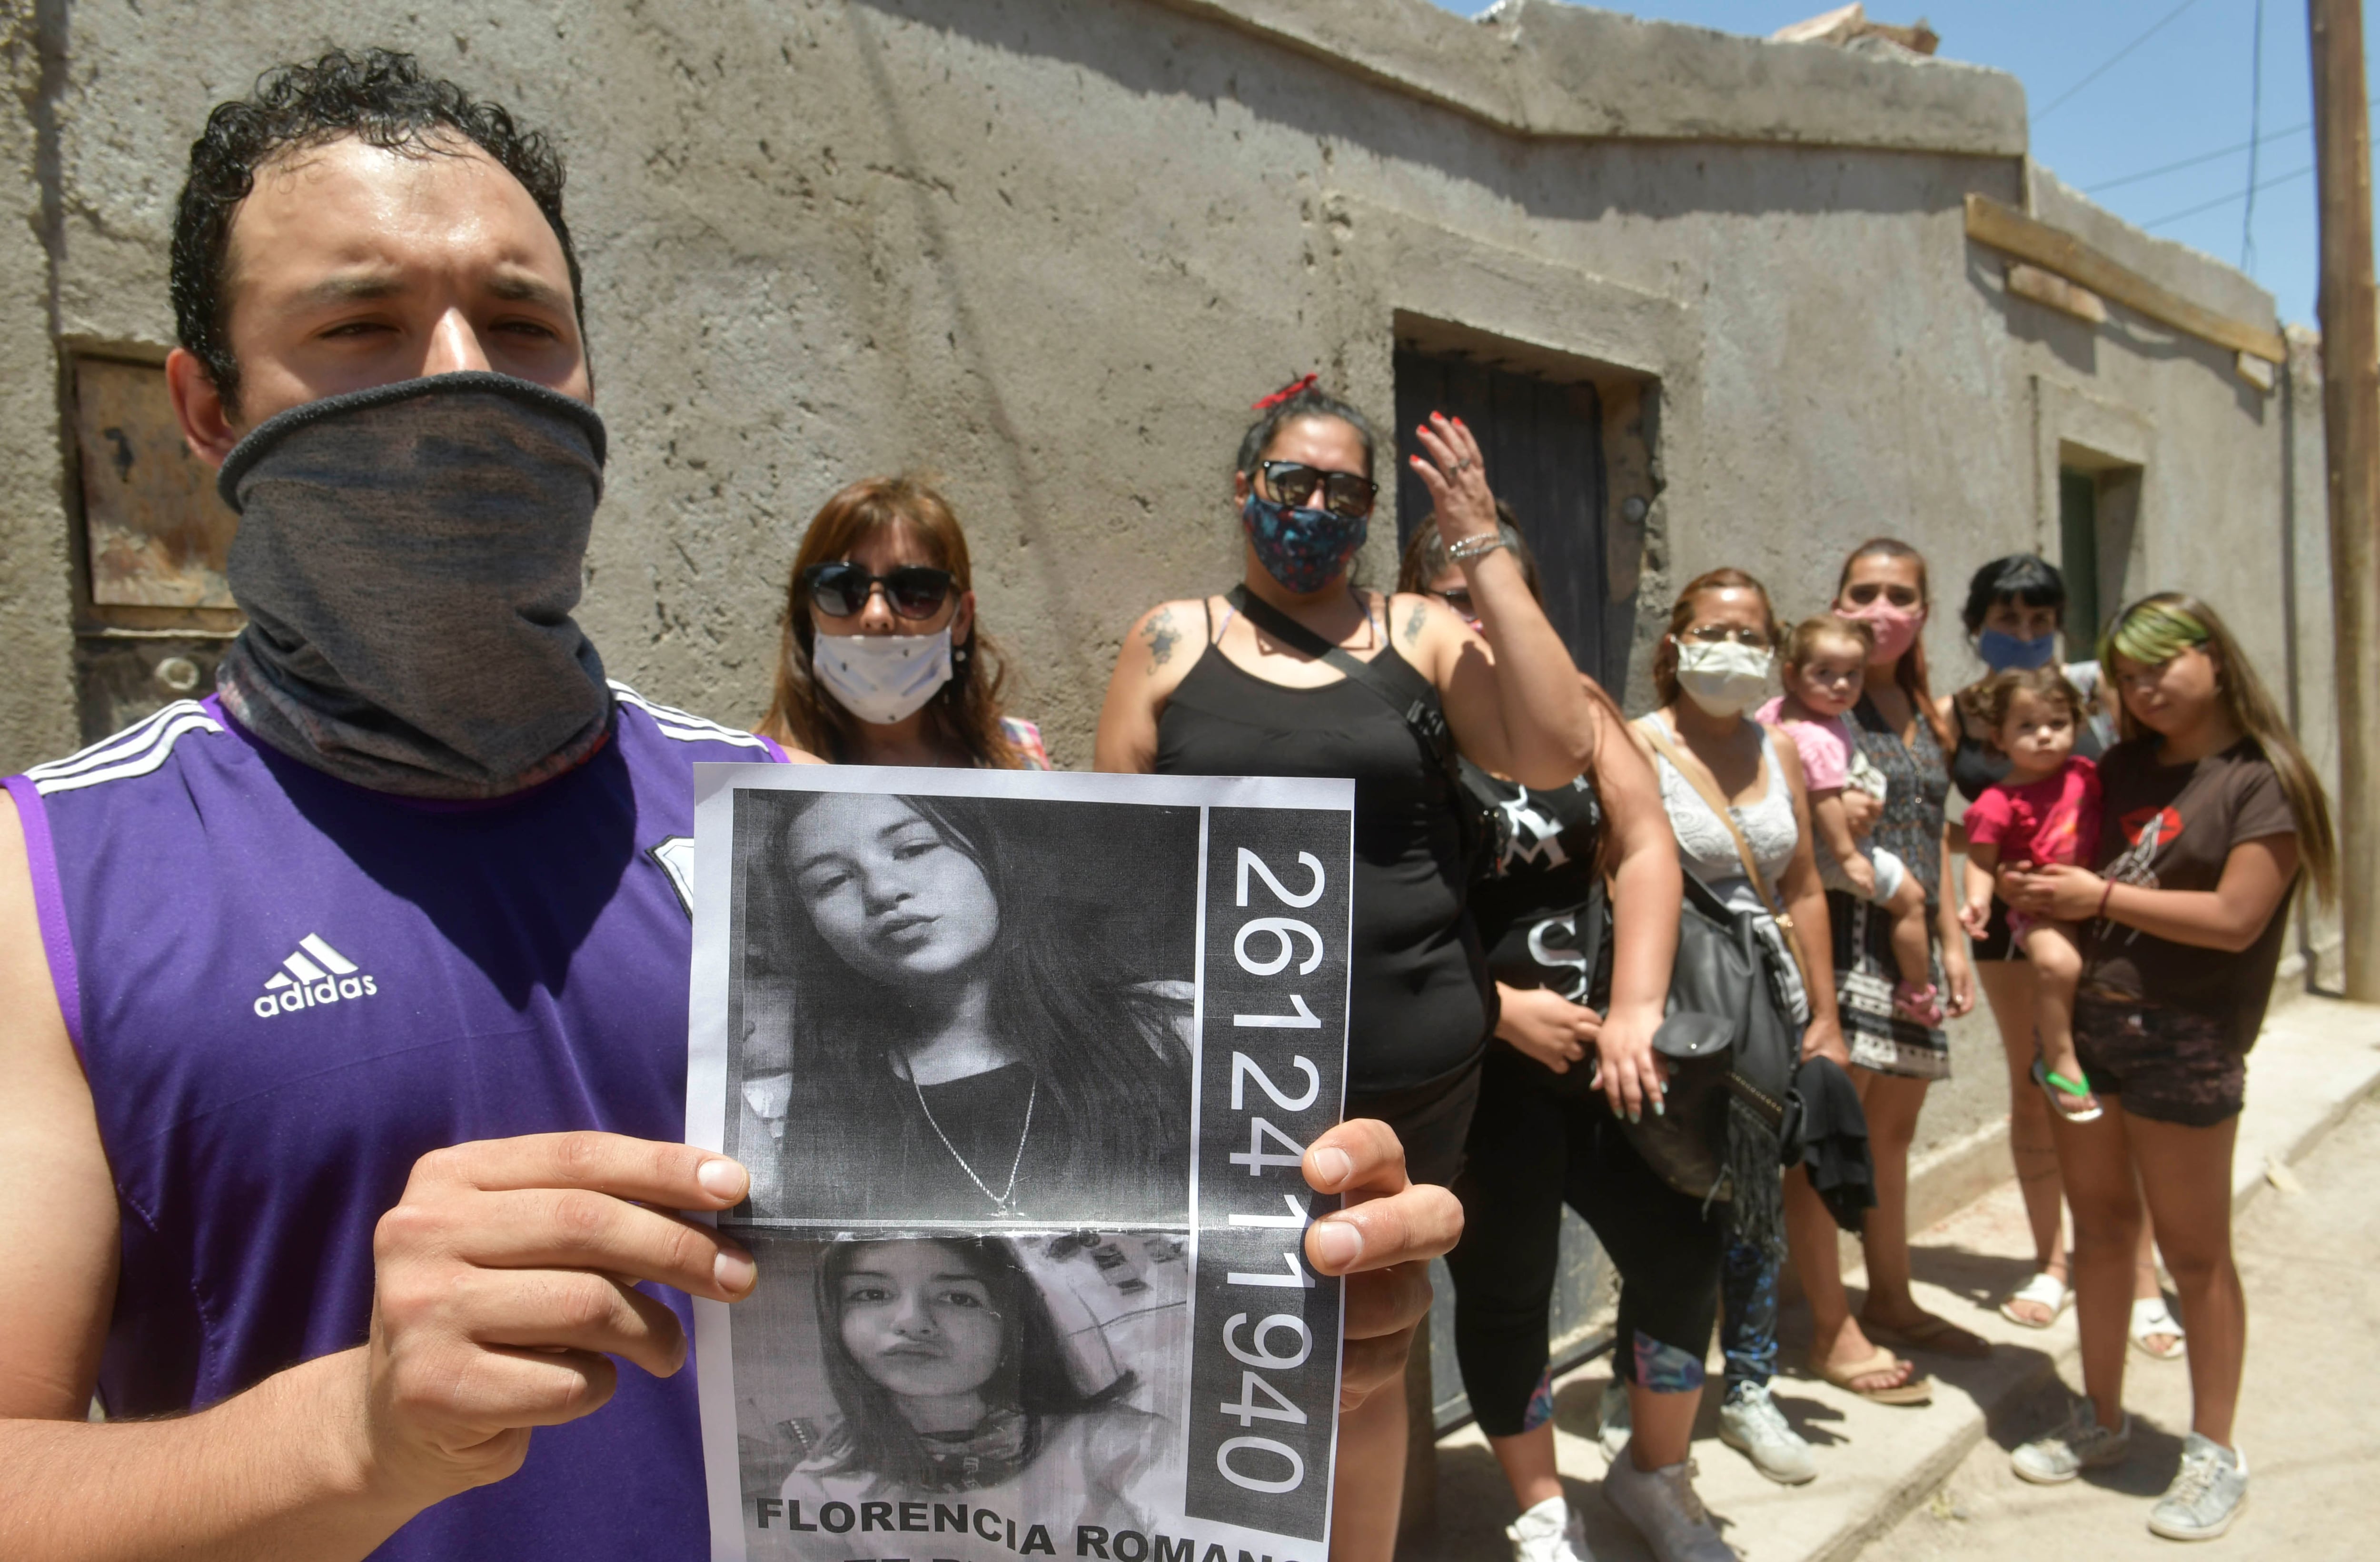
[[2059, 1088], [1917, 1390], [2151, 1316], [2044, 1289], [1938, 1335]]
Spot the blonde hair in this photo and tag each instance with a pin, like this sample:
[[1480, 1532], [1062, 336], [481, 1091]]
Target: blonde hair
[[1803, 642], [2155, 630]]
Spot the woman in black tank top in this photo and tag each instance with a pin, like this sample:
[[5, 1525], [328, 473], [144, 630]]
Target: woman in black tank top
[[1198, 690]]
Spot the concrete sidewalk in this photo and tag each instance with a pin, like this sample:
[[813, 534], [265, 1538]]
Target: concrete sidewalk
[[1878, 1464], [2305, 1407]]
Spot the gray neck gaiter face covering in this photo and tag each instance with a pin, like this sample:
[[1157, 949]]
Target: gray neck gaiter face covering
[[407, 557]]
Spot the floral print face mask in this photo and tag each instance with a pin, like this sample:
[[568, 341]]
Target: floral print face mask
[[1303, 549]]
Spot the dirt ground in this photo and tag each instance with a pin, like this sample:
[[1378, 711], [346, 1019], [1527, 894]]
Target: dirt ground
[[2307, 1421]]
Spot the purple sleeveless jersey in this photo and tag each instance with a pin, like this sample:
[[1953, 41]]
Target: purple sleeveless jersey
[[285, 989]]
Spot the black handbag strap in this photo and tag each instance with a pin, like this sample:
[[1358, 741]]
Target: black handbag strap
[[1416, 701]]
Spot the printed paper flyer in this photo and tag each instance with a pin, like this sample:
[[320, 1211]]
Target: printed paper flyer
[[1022, 1065]]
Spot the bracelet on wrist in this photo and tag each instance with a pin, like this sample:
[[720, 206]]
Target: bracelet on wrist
[[1464, 549], [2101, 914]]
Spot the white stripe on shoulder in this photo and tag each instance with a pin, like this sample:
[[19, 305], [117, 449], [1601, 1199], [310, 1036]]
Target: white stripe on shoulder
[[681, 725], [116, 746], [183, 716]]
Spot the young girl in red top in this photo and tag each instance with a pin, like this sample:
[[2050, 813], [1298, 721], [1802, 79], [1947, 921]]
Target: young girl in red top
[[2045, 809]]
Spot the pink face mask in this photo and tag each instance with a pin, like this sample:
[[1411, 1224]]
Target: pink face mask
[[1896, 627]]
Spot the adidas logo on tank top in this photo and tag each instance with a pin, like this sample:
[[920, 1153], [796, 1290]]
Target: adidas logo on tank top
[[312, 975]]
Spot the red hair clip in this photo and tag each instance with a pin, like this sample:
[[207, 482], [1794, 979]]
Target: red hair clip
[[1277, 398]]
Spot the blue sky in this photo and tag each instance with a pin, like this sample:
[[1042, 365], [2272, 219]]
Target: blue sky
[[2181, 93]]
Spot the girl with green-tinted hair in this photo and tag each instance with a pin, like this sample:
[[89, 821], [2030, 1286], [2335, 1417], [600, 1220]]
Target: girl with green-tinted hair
[[2211, 817]]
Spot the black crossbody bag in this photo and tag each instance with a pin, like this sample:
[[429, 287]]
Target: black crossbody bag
[[1420, 709]]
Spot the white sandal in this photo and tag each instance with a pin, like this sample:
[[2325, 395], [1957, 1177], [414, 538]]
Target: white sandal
[[2044, 1289], [2151, 1316]]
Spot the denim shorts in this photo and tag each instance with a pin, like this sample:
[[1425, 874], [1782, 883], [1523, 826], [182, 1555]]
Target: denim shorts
[[2164, 1063]]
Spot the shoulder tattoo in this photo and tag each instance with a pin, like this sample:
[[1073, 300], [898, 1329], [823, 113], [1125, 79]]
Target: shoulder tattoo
[[1417, 622], [1163, 637]]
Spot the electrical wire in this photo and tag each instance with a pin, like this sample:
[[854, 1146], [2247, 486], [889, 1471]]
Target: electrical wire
[[2193, 162], [2111, 61], [2227, 200]]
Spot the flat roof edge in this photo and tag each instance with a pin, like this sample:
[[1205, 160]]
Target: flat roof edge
[[1541, 69]]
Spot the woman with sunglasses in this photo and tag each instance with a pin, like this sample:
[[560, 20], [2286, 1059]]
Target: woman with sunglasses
[[881, 661], [1203, 687], [1426, 571], [1905, 732]]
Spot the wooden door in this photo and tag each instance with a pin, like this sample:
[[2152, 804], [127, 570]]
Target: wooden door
[[1543, 445]]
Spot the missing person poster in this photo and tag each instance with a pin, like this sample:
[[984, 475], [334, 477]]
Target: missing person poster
[[1023, 1066]]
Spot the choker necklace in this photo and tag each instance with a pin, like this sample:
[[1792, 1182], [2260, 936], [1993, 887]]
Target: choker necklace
[[1002, 1200]]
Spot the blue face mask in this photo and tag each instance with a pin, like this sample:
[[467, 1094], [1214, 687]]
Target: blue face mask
[[2002, 653], [1302, 549]]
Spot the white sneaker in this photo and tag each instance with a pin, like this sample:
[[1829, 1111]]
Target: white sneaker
[[1549, 1533], [1611, 1419], [2081, 1443], [2207, 1493], [1662, 1505], [1750, 1423]]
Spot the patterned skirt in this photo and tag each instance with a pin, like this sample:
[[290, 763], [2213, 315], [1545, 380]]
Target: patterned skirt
[[1864, 974]]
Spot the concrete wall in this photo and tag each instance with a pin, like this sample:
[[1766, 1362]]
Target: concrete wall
[[1052, 248], [37, 698]]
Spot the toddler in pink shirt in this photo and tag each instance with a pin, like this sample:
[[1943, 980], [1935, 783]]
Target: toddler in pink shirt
[[1825, 662]]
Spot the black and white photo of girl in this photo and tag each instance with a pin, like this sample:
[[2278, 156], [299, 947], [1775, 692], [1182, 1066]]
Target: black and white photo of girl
[[974, 1367], [965, 1009]]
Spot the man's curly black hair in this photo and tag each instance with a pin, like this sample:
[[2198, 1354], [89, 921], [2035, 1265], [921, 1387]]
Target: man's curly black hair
[[379, 97]]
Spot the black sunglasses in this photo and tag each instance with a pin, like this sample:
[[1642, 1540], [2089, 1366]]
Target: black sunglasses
[[1294, 482], [1457, 598], [839, 590]]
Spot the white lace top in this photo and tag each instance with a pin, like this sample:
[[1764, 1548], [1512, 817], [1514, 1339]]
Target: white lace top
[[1704, 846], [1707, 850]]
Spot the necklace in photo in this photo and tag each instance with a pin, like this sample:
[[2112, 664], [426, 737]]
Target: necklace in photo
[[1003, 1200]]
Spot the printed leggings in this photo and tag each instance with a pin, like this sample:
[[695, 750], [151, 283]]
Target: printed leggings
[[1531, 1152]]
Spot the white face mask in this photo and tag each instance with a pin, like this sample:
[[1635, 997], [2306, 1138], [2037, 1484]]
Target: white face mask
[[882, 679], [1726, 679]]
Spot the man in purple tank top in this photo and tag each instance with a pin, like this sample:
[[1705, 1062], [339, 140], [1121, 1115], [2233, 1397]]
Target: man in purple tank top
[[343, 1014]]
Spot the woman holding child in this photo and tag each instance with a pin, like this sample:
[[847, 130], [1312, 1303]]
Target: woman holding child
[[2209, 817], [2014, 614], [1895, 1034]]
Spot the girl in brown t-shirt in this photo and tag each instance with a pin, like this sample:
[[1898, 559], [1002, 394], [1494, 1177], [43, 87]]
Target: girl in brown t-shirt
[[2209, 816]]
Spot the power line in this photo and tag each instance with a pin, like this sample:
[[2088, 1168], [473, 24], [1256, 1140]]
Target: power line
[[2256, 118], [2111, 61], [2227, 200], [2267, 139], [2195, 162]]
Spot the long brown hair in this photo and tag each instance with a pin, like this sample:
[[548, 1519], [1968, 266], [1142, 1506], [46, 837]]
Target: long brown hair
[[966, 714], [2158, 628], [1681, 617], [1910, 671]]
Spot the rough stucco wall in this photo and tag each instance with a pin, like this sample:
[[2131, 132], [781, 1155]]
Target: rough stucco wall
[[37, 698]]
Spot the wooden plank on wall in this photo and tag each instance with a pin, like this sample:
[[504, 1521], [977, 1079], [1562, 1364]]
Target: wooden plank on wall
[[2005, 228]]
